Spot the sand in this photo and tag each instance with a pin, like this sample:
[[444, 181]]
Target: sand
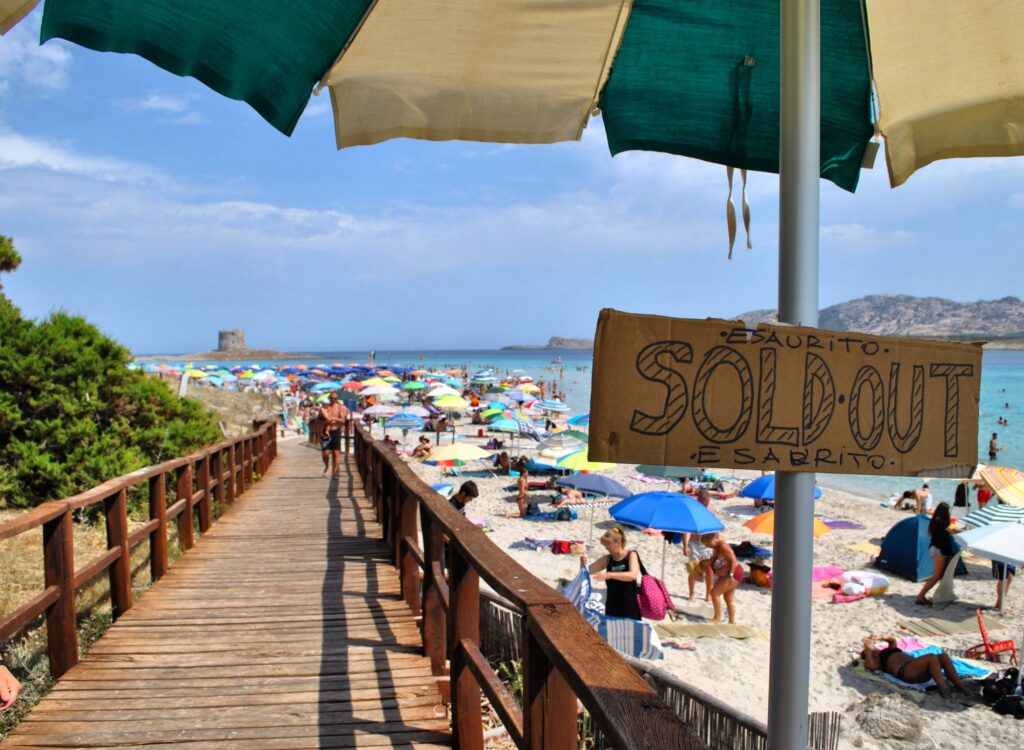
[[736, 671]]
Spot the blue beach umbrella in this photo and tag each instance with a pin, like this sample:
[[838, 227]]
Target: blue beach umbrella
[[405, 421], [595, 484], [763, 488], [666, 511], [580, 420]]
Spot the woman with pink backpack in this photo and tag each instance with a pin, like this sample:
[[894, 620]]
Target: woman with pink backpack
[[620, 570]]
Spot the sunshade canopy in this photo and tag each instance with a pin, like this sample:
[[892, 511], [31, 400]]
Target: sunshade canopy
[[1007, 483], [763, 488], [1001, 542], [596, 484], [765, 524], [666, 511], [993, 513]]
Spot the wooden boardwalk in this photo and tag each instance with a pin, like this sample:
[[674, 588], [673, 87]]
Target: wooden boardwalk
[[283, 627]]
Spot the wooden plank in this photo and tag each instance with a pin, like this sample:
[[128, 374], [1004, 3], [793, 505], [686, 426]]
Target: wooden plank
[[97, 566], [27, 612], [265, 635], [501, 699]]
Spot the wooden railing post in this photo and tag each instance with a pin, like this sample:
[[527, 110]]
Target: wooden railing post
[[203, 487], [239, 480], [464, 623], [59, 571], [217, 473], [116, 509], [247, 463], [348, 435], [408, 565], [435, 626], [229, 480], [158, 539], [184, 486], [549, 704]]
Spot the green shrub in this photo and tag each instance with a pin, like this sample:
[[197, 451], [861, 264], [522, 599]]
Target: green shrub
[[72, 414]]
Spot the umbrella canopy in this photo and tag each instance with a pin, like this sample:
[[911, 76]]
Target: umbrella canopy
[[580, 462], [670, 472], [413, 385], [1007, 483], [1001, 542], [442, 391], [381, 410], [562, 441], [405, 420], [505, 425], [580, 420], [765, 524], [378, 390], [595, 484], [763, 488], [458, 453], [554, 406], [451, 402], [417, 411], [353, 385], [666, 511], [993, 513]]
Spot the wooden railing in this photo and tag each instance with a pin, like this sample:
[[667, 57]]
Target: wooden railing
[[220, 473], [563, 657]]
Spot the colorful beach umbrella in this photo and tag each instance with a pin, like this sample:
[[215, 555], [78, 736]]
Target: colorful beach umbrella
[[765, 524], [413, 385], [451, 402], [458, 453], [1006, 482], [666, 511], [551, 406], [763, 488], [670, 472], [562, 441], [580, 462], [380, 410], [580, 420], [405, 421], [993, 513]]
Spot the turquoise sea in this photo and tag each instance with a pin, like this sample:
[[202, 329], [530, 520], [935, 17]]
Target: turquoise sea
[[1002, 383]]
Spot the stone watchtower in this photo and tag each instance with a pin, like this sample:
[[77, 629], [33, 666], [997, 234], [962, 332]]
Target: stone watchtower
[[231, 341]]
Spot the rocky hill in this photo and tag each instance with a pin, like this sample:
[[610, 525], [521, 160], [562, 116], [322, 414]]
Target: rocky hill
[[903, 315], [555, 342]]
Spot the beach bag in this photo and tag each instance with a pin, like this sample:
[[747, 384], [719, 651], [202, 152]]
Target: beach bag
[[561, 547], [653, 596]]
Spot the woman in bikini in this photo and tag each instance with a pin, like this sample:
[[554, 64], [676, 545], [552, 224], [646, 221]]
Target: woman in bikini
[[913, 669], [726, 573]]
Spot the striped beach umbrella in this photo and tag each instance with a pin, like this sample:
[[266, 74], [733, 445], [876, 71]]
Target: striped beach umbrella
[[552, 406], [993, 513], [405, 421], [1006, 482]]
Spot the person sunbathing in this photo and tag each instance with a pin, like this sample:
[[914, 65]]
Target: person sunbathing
[[568, 495], [913, 669], [423, 449]]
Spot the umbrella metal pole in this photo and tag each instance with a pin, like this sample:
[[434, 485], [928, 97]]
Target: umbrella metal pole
[[799, 161]]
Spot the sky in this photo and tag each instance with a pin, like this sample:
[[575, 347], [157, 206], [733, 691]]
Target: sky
[[163, 212]]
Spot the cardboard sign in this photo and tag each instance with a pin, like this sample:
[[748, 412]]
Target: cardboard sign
[[682, 392]]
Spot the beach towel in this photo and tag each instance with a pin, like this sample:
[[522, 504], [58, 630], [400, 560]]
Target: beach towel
[[707, 630], [748, 551], [531, 544], [840, 523], [963, 668], [931, 627], [634, 638], [554, 515], [742, 511], [866, 547]]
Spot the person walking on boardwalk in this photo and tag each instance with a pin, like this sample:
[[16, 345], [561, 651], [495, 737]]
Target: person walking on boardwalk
[[333, 418]]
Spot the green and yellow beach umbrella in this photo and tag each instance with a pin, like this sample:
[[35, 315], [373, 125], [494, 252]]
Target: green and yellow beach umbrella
[[697, 78], [580, 462], [451, 402]]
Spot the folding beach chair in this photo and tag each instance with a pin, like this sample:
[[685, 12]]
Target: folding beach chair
[[988, 649]]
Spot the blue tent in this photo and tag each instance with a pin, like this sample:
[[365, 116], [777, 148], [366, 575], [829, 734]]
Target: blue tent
[[905, 550]]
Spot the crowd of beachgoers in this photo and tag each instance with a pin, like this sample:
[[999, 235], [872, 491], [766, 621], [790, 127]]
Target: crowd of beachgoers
[[512, 456]]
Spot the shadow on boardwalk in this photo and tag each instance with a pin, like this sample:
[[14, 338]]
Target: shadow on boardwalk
[[282, 628]]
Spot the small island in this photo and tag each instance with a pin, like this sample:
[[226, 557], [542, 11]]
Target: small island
[[555, 342]]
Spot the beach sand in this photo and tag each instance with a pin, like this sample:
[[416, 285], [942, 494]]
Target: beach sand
[[736, 671]]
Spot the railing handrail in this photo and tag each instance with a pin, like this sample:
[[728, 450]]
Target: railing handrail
[[563, 657], [220, 472]]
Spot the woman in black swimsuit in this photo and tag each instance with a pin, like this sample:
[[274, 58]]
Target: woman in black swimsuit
[[620, 569], [914, 669]]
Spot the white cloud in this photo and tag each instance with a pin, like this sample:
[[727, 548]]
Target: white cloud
[[24, 61], [170, 108], [863, 238], [18, 152]]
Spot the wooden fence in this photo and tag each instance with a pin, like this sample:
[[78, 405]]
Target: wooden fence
[[563, 658], [218, 473]]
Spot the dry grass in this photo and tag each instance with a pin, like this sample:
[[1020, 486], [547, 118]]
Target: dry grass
[[21, 560]]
